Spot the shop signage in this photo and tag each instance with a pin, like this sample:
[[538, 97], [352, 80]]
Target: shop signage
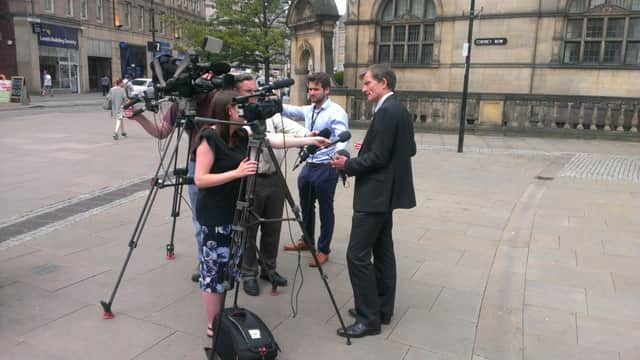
[[58, 36], [5, 91], [36, 27], [17, 84], [490, 41]]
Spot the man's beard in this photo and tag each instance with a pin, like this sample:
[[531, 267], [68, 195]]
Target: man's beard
[[320, 99]]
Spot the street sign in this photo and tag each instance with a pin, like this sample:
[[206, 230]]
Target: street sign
[[490, 41], [36, 28]]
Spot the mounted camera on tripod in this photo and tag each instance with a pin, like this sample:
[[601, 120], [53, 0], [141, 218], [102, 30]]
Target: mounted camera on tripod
[[184, 78], [266, 105]]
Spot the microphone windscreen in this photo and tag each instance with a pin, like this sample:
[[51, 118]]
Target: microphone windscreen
[[325, 133], [220, 68], [344, 136], [279, 84], [344, 153]]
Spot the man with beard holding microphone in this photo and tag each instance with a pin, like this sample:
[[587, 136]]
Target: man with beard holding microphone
[[318, 180], [384, 182]]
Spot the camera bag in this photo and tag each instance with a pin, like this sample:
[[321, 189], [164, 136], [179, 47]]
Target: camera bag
[[244, 336]]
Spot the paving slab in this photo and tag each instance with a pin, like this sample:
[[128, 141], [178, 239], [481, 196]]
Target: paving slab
[[492, 264]]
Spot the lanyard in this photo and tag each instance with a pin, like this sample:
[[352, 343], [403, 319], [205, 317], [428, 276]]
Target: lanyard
[[314, 116]]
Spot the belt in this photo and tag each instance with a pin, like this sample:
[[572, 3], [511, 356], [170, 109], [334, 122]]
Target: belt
[[316, 165]]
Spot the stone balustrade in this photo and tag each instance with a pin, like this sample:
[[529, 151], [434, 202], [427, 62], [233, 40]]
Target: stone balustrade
[[441, 111]]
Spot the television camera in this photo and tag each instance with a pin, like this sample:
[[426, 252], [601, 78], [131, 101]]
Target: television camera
[[266, 105]]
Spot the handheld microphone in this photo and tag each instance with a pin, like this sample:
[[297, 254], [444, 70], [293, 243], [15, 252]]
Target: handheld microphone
[[277, 85], [312, 149], [342, 137], [342, 173]]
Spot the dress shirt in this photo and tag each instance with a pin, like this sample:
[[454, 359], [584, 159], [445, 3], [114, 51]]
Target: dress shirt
[[329, 116], [379, 103], [276, 126]]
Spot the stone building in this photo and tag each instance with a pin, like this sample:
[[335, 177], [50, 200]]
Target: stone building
[[79, 41], [555, 63]]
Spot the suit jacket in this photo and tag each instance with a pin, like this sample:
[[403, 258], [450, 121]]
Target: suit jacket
[[384, 178]]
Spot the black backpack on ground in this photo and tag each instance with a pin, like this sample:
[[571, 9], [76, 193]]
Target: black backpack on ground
[[244, 336]]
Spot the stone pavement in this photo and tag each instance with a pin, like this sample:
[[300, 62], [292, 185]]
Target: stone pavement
[[58, 100], [520, 248]]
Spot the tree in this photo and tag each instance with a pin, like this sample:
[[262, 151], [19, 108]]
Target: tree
[[254, 32]]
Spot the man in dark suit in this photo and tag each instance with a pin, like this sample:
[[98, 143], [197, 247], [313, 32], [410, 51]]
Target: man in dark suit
[[384, 182]]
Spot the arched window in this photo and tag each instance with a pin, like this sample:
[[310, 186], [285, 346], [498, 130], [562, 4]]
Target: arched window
[[406, 32], [595, 36]]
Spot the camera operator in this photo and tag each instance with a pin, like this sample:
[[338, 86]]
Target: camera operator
[[220, 164], [318, 180], [162, 130], [268, 201]]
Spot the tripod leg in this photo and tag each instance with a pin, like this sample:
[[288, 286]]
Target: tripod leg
[[297, 213], [142, 220], [175, 212], [180, 175], [133, 243]]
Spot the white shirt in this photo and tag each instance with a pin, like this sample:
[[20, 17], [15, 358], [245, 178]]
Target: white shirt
[[47, 80], [379, 103]]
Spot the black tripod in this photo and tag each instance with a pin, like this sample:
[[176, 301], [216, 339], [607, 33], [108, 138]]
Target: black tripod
[[245, 216], [159, 181]]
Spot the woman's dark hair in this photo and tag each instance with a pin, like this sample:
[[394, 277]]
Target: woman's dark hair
[[219, 109]]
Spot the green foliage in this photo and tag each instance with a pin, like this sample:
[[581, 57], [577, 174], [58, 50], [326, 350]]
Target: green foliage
[[338, 76], [253, 31]]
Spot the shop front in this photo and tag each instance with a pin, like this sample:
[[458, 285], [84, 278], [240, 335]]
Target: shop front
[[133, 60], [59, 56]]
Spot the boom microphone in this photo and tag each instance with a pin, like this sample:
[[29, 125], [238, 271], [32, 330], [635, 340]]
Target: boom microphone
[[277, 85]]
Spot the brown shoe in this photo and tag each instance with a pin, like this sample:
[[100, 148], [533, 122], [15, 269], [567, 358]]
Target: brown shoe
[[322, 258], [299, 245]]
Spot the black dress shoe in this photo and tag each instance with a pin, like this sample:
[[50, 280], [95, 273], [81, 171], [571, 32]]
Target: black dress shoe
[[279, 279], [384, 321], [251, 287], [358, 330]]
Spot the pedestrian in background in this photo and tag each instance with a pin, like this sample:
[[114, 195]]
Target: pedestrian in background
[[46, 84], [104, 83], [117, 97]]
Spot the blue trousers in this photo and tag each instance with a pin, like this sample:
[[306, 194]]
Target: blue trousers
[[318, 184]]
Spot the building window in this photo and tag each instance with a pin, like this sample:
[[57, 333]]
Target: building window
[[83, 9], [406, 33], [68, 7], [126, 15], [141, 18], [99, 10], [593, 36], [48, 5]]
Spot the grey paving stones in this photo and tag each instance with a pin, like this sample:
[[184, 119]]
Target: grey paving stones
[[492, 264]]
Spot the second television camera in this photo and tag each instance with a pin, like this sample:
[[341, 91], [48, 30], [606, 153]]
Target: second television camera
[[266, 105]]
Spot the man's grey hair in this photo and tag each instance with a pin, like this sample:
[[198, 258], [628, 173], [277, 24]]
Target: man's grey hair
[[240, 78], [381, 72]]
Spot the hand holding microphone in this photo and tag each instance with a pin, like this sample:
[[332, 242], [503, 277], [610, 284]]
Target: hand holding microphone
[[311, 149], [343, 154]]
